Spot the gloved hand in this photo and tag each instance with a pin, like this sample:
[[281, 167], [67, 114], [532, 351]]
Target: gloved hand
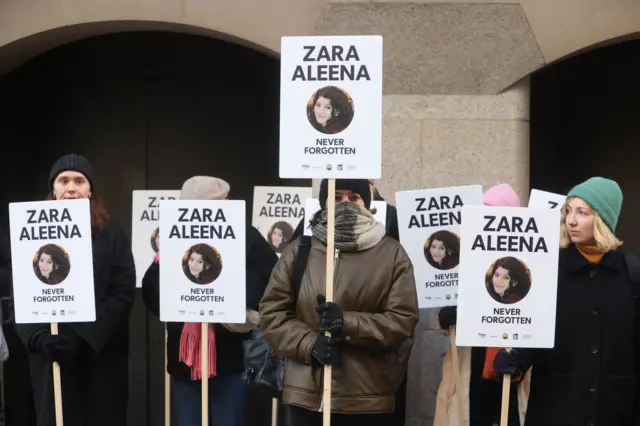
[[326, 350], [447, 317], [42, 342], [330, 316], [507, 362]]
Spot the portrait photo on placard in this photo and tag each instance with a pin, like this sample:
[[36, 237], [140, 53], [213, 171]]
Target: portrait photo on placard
[[279, 235], [202, 264], [51, 264], [508, 280], [442, 250], [155, 239], [330, 110]]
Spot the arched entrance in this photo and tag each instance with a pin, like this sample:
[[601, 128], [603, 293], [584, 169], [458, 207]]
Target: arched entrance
[[149, 109], [584, 115]]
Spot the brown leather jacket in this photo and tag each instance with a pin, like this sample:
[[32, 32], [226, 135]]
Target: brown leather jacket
[[376, 292]]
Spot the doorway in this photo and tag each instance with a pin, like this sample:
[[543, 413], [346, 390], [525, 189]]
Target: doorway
[[149, 110], [584, 115]]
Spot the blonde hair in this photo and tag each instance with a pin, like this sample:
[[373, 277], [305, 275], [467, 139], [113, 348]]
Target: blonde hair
[[604, 237]]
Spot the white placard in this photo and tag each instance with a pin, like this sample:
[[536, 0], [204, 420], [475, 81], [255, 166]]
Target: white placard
[[508, 276], [145, 223], [202, 266], [312, 205], [52, 261], [546, 200], [429, 227], [277, 210], [331, 107]]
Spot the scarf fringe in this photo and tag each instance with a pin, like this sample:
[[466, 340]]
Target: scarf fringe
[[191, 349]]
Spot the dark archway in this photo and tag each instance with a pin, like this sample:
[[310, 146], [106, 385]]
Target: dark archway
[[149, 109], [584, 122]]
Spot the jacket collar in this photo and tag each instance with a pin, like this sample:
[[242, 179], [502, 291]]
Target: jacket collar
[[575, 261]]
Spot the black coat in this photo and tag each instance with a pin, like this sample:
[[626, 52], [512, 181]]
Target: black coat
[[391, 224], [229, 351], [588, 378], [95, 387]]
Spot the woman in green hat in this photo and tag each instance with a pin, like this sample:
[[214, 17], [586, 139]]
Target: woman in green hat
[[589, 377]]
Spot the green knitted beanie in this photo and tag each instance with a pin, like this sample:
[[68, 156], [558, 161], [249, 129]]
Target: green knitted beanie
[[603, 196]]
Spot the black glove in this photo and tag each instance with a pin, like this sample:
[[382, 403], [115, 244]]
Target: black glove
[[329, 316], [67, 347], [447, 317], [43, 343], [326, 350], [507, 362]]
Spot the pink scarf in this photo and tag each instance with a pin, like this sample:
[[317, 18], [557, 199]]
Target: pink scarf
[[191, 345], [190, 349]]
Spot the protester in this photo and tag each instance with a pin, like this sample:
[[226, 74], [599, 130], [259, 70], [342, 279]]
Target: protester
[[93, 356], [589, 377], [372, 318], [481, 389], [227, 387]]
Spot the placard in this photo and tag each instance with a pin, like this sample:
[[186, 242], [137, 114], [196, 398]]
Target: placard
[[508, 276], [429, 227], [202, 269], [546, 200], [52, 261], [277, 210], [145, 227], [331, 107], [312, 205]]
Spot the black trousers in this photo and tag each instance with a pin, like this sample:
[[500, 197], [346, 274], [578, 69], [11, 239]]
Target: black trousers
[[303, 417]]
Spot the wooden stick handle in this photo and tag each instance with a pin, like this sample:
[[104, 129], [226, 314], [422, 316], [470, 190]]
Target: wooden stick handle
[[57, 383], [274, 412], [456, 373], [331, 218], [205, 373], [167, 384], [506, 394]]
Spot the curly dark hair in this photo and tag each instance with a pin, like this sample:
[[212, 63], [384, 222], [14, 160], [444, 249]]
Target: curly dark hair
[[452, 253], [212, 264], [341, 110], [519, 280], [60, 268]]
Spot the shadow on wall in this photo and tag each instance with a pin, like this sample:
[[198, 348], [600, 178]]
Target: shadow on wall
[[584, 115]]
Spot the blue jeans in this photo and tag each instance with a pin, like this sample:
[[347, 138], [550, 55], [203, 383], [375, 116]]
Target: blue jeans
[[226, 401]]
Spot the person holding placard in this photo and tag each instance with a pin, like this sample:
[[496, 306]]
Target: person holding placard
[[590, 376], [371, 321], [226, 356], [93, 356], [480, 389]]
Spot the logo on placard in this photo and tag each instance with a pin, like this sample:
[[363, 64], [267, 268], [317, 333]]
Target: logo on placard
[[505, 336], [508, 280], [181, 312], [330, 110], [340, 167], [442, 250], [210, 313], [305, 166], [201, 312], [279, 235], [482, 335], [329, 167], [51, 264], [202, 264], [155, 240], [53, 313], [515, 337], [448, 297]]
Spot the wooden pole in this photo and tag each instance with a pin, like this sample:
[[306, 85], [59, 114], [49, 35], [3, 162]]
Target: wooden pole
[[456, 374], [274, 412], [167, 384], [57, 383], [205, 373], [506, 393], [331, 218]]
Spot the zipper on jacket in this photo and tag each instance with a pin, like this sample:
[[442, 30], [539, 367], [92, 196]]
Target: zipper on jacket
[[336, 259]]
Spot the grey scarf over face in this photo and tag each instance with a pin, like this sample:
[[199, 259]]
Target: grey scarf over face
[[355, 228]]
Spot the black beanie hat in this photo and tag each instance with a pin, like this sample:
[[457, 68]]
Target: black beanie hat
[[73, 162], [359, 186]]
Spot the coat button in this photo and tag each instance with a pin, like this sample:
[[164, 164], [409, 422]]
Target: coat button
[[592, 273], [594, 350], [594, 311], [592, 389]]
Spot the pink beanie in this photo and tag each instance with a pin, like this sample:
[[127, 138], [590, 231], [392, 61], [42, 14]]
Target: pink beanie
[[501, 195]]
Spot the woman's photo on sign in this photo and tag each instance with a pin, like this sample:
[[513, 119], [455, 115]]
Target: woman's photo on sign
[[202, 264], [330, 110], [442, 250], [279, 235], [508, 280], [51, 264], [155, 240]]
